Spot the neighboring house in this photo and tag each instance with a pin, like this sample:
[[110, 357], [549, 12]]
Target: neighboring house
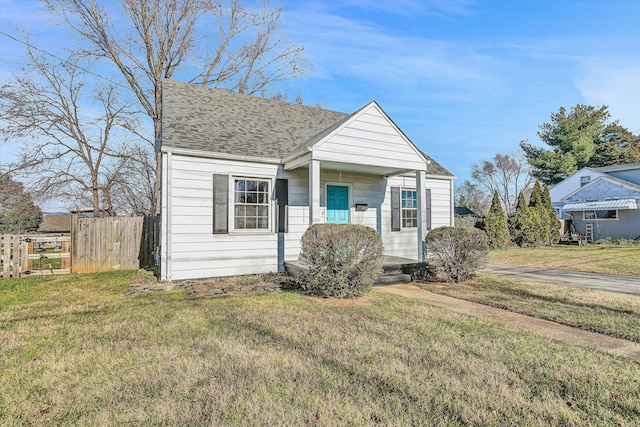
[[600, 202], [465, 212], [243, 177], [55, 224]]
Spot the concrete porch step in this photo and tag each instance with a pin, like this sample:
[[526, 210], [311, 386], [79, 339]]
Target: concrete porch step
[[392, 279], [395, 270]]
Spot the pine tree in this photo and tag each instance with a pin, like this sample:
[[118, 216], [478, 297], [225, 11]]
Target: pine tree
[[495, 224], [539, 234], [554, 223]]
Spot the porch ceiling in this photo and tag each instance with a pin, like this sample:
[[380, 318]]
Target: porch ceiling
[[361, 169], [357, 168]]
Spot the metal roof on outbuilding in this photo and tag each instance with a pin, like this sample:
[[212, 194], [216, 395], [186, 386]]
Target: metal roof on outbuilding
[[618, 204]]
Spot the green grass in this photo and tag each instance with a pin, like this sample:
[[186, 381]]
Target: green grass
[[623, 260], [77, 351], [608, 313]]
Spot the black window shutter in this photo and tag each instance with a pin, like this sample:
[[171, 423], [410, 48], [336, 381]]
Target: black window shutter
[[428, 213], [395, 208], [282, 198], [220, 204]]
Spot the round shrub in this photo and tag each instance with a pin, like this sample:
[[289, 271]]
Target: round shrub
[[456, 253], [342, 260]]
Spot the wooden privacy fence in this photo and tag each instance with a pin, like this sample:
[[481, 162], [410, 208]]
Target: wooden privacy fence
[[113, 243], [22, 255], [95, 245]]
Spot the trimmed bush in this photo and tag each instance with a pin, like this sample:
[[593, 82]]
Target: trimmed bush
[[342, 260], [456, 253]]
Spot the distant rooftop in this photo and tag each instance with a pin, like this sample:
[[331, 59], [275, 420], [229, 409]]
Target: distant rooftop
[[55, 224]]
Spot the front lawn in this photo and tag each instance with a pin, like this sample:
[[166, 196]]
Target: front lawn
[[623, 260], [609, 313], [77, 351]]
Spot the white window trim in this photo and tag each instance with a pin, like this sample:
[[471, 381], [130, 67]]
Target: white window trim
[[402, 227], [232, 204], [617, 218]]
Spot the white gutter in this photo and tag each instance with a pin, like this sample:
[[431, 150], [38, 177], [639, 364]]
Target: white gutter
[[223, 156]]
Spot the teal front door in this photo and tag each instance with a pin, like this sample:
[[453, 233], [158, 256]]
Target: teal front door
[[337, 204]]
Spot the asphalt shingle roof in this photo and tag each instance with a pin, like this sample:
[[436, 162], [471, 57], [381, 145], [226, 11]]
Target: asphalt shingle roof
[[220, 121]]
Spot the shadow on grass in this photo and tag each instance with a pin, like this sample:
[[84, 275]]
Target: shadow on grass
[[564, 301]]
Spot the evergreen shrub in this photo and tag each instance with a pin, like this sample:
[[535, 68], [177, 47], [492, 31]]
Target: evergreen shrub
[[342, 260], [495, 224]]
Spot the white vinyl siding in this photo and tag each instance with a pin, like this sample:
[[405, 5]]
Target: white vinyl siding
[[440, 202], [370, 139], [194, 252]]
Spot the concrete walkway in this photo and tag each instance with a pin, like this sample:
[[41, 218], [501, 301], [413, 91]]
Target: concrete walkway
[[603, 282], [567, 334]]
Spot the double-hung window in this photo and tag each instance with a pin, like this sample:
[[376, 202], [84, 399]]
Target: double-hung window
[[409, 208], [251, 204]]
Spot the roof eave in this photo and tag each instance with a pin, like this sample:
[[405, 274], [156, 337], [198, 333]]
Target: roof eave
[[218, 155]]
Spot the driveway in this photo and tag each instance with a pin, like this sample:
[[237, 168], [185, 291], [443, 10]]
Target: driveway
[[603, 282]]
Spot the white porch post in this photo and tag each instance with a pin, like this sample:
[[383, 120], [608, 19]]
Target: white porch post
[[422, 210], [314, 192]]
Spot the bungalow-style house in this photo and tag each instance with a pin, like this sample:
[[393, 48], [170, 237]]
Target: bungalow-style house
[[244, 177], [600, 202]]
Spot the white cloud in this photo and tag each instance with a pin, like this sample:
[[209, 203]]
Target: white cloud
[[341, 47], [413, 7], [615, 83]]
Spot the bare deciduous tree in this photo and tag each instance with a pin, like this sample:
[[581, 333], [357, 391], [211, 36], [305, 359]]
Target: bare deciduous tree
[[508, 174], [471, 196], [135, 186], [218, 43], [69, 127]]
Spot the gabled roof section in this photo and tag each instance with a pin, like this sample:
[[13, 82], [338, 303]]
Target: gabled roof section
[[615, 168], [369, 136], [206, 121], [605, 187], [219, 121]]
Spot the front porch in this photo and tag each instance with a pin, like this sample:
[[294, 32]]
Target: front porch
[[394, 270]]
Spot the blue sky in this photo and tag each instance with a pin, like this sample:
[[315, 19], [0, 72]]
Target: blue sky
[[463, 79]]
